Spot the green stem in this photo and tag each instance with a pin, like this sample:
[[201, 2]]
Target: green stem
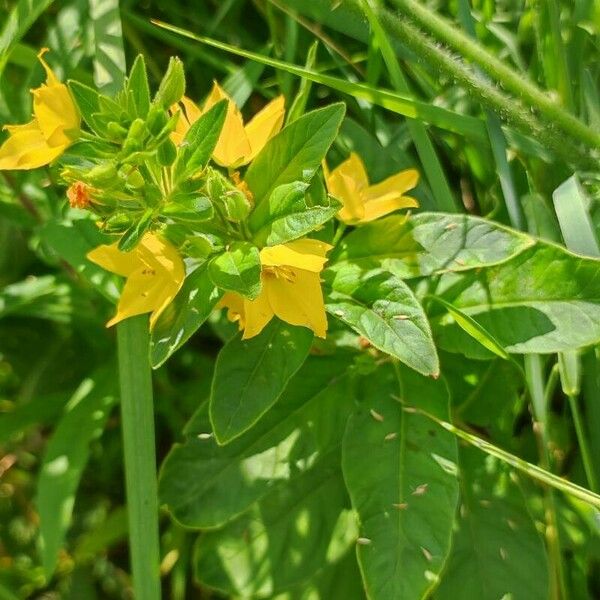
[[586, 455], [513, 81], [562, 144], [537, 392], [137, 413]]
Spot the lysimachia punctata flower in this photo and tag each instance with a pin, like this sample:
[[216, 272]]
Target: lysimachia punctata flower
[[55, 126], [154, 271], [362, 202], [239, 143], [291, 289]]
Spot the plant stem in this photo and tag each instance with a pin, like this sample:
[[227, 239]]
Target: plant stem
[[137, 413], [586, 455], [537, 392], [515, 82]]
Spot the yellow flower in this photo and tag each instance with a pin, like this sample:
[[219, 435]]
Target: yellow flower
[[54, 127], [363, 202], [238, 143], [154, 271], [291, 289]]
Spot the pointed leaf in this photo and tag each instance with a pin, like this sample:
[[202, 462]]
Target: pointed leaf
[[250, 376], [295, 153], [402, 477], [383, 309]]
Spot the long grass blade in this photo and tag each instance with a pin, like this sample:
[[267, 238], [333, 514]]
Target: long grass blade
[[402, 104]]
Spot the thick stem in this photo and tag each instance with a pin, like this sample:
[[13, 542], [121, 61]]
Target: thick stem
[[137, 414], [517, 83]]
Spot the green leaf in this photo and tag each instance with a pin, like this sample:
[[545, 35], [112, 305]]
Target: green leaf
[[338, 580], [285, 215], [199, 142], [137, 86], [295, 153], [204, 485], [402, 476], [182, 318], [250, 375], [544, 300], [109, 55], [571, 204], [498, 552], [130, 239], [429, 243], [382, 308], [23, 15], [283, 540], [172, 86], [189, 209], [65, 458], [237, 269], [71, 241], [87, 100], [474, 329]]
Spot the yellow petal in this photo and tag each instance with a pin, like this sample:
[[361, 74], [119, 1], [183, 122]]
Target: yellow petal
[[354, 168], [344, 188], [385, 205], [264, 125], [298, 300], [303, 254], [27, 148], [154, 271], [51, 78], [233, 146], [396, 184], [56, 114], [110, 258], [258, 313], [157, 253], [145, 291], [234, 303], [347, 183]]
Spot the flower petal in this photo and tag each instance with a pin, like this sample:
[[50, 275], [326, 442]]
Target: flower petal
[[145, 291], [346, 183], [396, 184], [303, 254], [26, 148], [258, 313], [51, 78], [234, 303], [264, 125], [385, 205], [233, 146], [344, 188], [56, 114], [299, 300], [109, 257]]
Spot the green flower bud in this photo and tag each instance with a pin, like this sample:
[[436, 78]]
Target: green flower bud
[[172, 86]]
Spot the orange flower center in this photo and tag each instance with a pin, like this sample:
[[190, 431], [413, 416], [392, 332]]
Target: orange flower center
[[78, 195]]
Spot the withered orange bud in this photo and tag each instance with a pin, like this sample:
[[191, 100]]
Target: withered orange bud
[[78, 195]]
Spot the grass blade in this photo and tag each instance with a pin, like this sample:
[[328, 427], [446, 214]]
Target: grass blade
[[402, 104]]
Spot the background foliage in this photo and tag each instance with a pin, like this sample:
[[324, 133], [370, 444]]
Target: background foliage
[[277, 512]]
